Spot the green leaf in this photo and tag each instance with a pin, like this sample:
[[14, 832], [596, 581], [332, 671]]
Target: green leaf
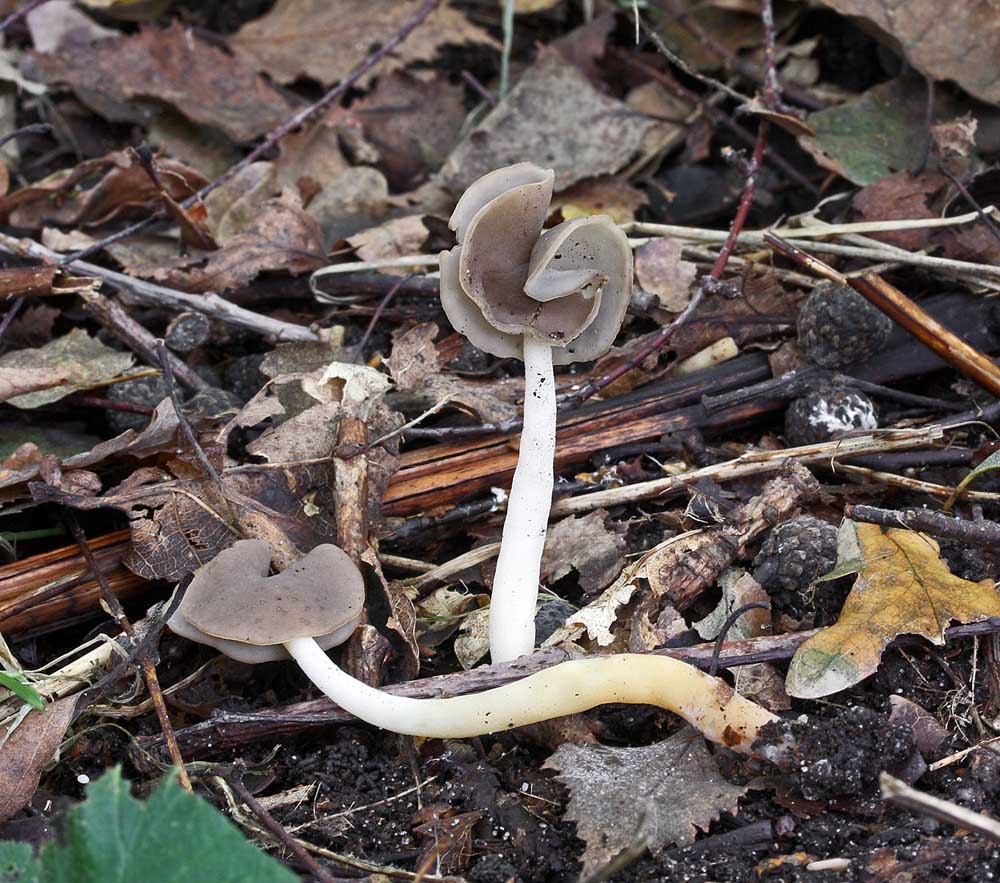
[[174, 837], [990, 463], [19, 686], [17, 864]]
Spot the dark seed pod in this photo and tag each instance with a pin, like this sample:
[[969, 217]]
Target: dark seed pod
[[794, 554], [838, 327], [827, 413]]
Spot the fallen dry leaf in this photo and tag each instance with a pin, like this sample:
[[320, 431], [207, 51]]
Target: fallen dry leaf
[[899, 196], [393, 239], [122, 190], [28, 750], [611, 195], [585, 544], [962, 46], [413, 124], [553, 117], [903, 588], [172, 65], [281, 237], [326, 39], [66, 365], [657, 795], [660, 270], [414, 356]]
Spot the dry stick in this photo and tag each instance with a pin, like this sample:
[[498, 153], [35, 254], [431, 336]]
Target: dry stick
[[185, 427], [20, 13], [657, 341], [113, 316], [901, 794], [141, 291], [975, 533], [905, 313], [283, 837], [290, 125], [114, 608]]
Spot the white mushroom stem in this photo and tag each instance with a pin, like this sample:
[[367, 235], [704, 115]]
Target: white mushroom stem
[[570, 687], [515, 584]]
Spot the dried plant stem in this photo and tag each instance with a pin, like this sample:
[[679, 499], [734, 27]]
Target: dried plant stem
[[280, 834], [901, 794], [978, 532], [117, 613]]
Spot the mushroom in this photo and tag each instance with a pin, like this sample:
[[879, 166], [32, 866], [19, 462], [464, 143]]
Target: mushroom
[[550, 299], [315, 603]]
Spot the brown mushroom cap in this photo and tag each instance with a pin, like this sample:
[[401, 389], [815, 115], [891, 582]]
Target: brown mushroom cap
[[234, 606], [569, 287]]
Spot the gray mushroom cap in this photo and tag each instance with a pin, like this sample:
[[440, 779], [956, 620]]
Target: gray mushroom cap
[[568, 287], [234, 606]]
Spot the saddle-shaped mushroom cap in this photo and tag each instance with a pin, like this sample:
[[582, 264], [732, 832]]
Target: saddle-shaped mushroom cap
[[234, 606], [568, 288]]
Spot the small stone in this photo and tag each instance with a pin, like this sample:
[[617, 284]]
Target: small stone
[[146, 392], [187, 332], [838, 327], [549, 617], [827, 413]]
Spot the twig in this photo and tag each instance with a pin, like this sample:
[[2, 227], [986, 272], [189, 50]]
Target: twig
[[901, 794], [280, 834], [658, 340], [185, 427], [117, 613], [905, 313], [984, 215], [141, 291], [727, 625], [112, 316], [277, 134], [30, 129], [20, 13], [390, 294], [980, 532]]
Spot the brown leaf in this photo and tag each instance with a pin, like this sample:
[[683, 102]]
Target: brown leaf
[[413, 124], [903, 587], [660, 270], [400, 236], [414, 356], [202, 81], [281, 237], [28, 750], [611, 195], [583, 543], [35, 377], [656, 795], [962, 45], [122, 190], [898, 196], [553, 117], [326, 39]]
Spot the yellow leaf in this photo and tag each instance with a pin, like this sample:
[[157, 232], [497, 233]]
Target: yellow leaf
[[903, 588]]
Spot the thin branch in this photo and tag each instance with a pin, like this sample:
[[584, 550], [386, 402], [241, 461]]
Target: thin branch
[[117, 613]]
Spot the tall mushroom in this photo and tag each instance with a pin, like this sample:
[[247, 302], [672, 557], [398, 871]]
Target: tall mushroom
[[235, 607], [550, 299]]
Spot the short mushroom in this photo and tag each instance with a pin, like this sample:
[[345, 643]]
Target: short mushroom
[[235, 607], [547, 298]]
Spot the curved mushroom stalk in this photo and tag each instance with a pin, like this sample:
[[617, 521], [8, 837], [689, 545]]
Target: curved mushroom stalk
[[570, 687], [316, 602], [548, 298]]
